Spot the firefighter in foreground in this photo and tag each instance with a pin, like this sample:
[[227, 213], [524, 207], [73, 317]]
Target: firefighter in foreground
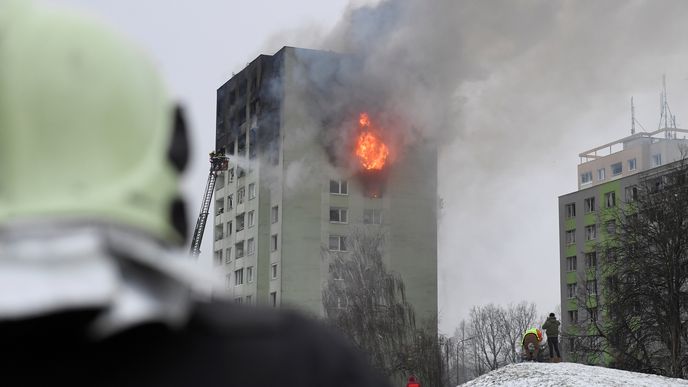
[[91, 289]]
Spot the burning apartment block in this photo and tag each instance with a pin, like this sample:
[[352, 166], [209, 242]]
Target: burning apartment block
[[313, 157]]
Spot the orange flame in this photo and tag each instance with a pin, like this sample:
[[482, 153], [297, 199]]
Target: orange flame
[[371, 151]]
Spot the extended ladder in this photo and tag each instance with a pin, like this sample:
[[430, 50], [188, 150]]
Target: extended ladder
[[218, 162]]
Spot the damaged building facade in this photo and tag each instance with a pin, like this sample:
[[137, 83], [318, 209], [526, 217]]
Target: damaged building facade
[[292, 192]]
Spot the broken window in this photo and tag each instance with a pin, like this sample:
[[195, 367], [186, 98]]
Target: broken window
[[240, 222], [239, 249]]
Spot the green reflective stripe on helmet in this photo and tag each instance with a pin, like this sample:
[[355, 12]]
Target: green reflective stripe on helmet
[[85, 124]]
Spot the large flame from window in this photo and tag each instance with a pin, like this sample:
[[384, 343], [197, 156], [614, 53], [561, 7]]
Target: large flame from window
[[371, 151]]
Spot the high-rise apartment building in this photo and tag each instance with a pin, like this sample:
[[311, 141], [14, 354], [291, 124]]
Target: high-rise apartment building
[[290, 194], [607, 177]]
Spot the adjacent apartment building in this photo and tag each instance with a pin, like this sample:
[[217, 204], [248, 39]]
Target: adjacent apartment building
[[285, 201], [607, 177]]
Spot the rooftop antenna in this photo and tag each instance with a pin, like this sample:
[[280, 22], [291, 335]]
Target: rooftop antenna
[[632, 117], [665, 110]]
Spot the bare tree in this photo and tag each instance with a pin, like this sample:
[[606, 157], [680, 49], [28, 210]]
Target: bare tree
[[487, 323], [641, 325], [369, 305], [519, 318]]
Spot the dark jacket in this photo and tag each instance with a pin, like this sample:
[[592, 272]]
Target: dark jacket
[[222, 345], [551, 327]]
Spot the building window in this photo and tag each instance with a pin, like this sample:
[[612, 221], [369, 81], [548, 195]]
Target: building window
[[572, 263], [573, 316], [631, 194], [571, 290], [657, 160], [230, 201], [570, 237], [228, 281], [250, 246], [570, 210], [593, 314], [229, 228], [273, 270], [591, 260], [338, 215], [610, 226], [337, 243], [249, 274], [238, 300], [610, 199], [616, 168], [590, 232], [230, 173], [589, 204], [228, 255], [251, 191], [240, 195], [601, 174], [273, 242], [251, 219], [240, 222], [273, 299], [217, 258], [238, 277], [572, 343], [372, 216], [631, 165], [239, 249], [249, 300], [274, 214], [591, 287], [339, 187], [586, 177]]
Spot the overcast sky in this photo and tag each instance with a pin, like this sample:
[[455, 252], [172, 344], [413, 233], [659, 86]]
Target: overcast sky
[[529, 85]]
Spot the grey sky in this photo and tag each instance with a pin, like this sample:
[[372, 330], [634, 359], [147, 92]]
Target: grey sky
[[527, 85]]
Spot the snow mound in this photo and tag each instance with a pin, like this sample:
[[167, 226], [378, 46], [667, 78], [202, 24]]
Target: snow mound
[[568, 374]]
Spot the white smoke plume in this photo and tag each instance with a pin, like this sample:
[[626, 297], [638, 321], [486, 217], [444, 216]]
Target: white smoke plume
[[510, 91]]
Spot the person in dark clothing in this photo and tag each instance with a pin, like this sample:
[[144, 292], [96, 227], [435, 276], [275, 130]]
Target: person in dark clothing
[[95, 289], [551, 327]]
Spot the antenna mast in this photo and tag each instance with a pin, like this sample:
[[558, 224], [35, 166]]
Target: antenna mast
[[632, 117]]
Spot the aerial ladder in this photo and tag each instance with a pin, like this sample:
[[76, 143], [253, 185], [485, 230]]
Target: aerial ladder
[[218, 162]]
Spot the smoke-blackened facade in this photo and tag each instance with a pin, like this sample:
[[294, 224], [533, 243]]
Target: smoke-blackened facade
[[297, 184]]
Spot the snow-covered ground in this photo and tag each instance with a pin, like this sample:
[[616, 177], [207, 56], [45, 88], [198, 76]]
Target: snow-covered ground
[[568, 374]]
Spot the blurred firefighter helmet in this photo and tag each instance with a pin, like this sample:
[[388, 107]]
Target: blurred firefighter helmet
[[87, 130]]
